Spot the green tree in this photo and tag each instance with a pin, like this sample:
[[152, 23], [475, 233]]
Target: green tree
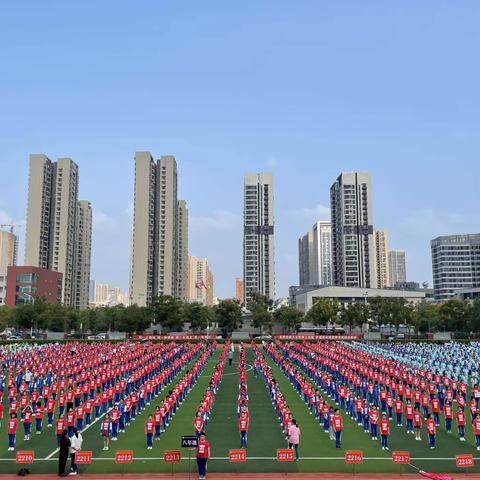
[[197, 315], [323, 311], [288, 316], [425, 317], [5, 317], [354, 315], [474, 316], [228, 315], [453, 316], [132, 319], [166, 312]]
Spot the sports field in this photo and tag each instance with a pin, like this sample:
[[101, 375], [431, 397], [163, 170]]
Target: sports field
[[317, 451]]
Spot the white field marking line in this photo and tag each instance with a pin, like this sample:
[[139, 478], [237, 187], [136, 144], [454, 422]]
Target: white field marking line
[[248, 458], [48, 457]]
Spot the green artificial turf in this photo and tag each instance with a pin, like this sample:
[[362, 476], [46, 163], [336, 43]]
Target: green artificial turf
[[265, 436]]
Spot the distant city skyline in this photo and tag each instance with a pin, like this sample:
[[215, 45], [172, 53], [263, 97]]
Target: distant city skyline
[[395, 94]]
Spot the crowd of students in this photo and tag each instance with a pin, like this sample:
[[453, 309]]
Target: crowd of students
[[376, 390], [242, 401], [73, 385]]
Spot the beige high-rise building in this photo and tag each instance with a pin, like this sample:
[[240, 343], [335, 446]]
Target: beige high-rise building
[[397, 267], [83, 252], [381, 258], [305, 259], [102, 293], [200, 281], [156, 248], [52, 238], [8, 249], [8, 258], [182, 250], [239, 295]]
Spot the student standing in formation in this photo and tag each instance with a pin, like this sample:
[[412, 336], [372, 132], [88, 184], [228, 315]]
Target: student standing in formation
[[294, 437], [337, 421], [203, 454], [12, 425], [243, 423], [198, 424], [27, 421], [149, 429], [476, 430], [431, 430], [460, 417], [384, 431], [374, 414], [106, 430], [417, 423]]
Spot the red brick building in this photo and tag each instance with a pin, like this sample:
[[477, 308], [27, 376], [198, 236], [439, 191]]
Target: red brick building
[[24, 284]]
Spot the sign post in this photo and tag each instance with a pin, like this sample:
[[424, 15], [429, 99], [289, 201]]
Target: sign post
[[237, 456], [354, 457], [285, 455], [401, 458], [464, 461], [172, 457], [25, 456], [190, 442], [124, 456], [83, 458]]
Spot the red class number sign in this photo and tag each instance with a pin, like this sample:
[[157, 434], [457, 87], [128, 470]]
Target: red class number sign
[[83, 458], [401, 457], [285, 455], [354, 456], [172, 456], [236, 456], [124, 456], [25, 456], [464, 461]]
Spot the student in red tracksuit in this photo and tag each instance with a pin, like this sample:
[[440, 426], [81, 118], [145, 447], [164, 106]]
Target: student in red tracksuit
[[203, 454], [417, 423], [149, 429], [12, 425], [460, 416], [430, 425], [198, 424], [106, 430], [337, 422], [60, 426], [243, 422], [384, 425], [476, 430], [27, 421]]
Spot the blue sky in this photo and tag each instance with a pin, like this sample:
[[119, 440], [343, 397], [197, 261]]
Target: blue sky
[[305, 89]]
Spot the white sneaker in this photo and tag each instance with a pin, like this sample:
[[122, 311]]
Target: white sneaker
[[72, 473]]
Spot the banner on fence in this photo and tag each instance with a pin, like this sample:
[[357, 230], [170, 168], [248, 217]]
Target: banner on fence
[[172, 337], [25, 456], [318, 337]]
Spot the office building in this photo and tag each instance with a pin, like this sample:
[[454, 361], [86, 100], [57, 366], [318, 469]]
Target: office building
[[52, 237], [160, 231], [200, 281], [26, 283], [305, 258], [258, 236], [455, 264], [322, 254], [239, 290], [397, 268], [381, 258], [353, 249], [182, 250]]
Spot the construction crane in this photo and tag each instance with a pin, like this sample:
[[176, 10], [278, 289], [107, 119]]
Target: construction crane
[[11, 225]]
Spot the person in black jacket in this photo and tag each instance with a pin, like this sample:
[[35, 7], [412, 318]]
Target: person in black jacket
[[63, 455]]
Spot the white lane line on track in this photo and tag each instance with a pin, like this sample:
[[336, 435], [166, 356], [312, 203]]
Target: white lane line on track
[[248, 458]]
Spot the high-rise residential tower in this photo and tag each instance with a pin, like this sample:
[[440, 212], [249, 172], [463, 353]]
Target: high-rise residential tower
[[239, 290], [381, 258], [160, 231], [258, 236], [397, 267], [353, 248], [200, 281], [322, 254], [52, 238], [8, 258], [305, 259], [182, 250], [83, 254], [455, 264]]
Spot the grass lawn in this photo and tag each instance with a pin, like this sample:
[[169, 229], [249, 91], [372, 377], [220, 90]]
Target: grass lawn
[[265, 436]]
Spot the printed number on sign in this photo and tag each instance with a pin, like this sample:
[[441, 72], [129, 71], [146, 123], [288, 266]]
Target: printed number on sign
[[285, 455], [171, 456], [83, 458], [401, 457], [24, 456], [124, 456], [237, 456], [353, 456], [464, 461]]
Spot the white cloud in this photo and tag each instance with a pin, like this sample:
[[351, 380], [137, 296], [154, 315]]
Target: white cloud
[[102, 222], [129, 211], [319, 212], [219, 220]]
